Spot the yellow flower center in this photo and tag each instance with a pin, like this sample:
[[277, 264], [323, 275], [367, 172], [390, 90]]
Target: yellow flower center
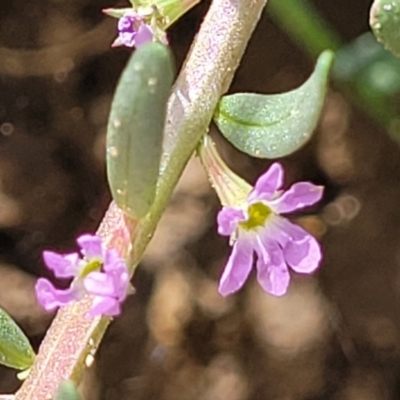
[[258, 214], [94, 265]]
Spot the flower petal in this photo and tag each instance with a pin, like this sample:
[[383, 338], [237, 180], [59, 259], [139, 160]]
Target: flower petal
[[227, 220], [300, 195], [111, 284], [144, 35], [126, 23], [303, 257], [274, 280], [301, 250], [238, 267], [121, 282], [51, 298], [105, 306], [91, 246], [99, 284], [267, 184], [63, 265], [113, 261], [117, 270], [125, 39], [272, 272]]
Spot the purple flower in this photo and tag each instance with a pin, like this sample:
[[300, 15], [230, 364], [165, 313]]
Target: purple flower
[[133, 31], [96, 271], [257, 227]]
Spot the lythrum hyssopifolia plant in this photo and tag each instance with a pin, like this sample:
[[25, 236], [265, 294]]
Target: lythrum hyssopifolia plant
[[155, 124]]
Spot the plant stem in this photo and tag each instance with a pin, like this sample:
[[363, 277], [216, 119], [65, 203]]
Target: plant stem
[[206, 75], [303, 23]]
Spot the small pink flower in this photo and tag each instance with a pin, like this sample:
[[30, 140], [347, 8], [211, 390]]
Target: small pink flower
[[257, 227], [133, 31], [96, 271]]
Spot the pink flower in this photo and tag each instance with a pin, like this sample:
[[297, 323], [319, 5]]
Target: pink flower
[[96, 271], [133, 31], [257, 227]]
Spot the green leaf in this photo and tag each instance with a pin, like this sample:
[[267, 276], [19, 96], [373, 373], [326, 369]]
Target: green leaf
[[385, 22], [271, 126], [67, 391], [15, 349], [135, 128], [370, 75]]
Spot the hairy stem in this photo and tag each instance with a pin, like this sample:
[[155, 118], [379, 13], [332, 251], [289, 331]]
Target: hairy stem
[[216, 52]]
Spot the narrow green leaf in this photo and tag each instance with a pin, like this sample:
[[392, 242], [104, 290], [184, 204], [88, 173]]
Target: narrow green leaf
[[15, 349], [67, 391], [385, 22], [135, 128], [271, 126]]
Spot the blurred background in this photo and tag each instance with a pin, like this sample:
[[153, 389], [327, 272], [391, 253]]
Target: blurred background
[[335, 335]]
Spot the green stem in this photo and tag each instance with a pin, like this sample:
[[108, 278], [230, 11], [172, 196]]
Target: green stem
[[303, 23]]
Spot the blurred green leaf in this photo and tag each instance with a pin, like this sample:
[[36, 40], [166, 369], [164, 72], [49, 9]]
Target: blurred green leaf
[[363, 70], [135, 128], [385, 22], [370, 75], [15, 349], [367, 64], [67, 391], [271, 126]]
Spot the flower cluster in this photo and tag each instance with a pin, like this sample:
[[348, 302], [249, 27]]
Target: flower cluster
[[257, 227], [96, 271]]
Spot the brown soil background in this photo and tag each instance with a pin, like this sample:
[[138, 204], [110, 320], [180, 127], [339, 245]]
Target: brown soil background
[[334, 336]]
